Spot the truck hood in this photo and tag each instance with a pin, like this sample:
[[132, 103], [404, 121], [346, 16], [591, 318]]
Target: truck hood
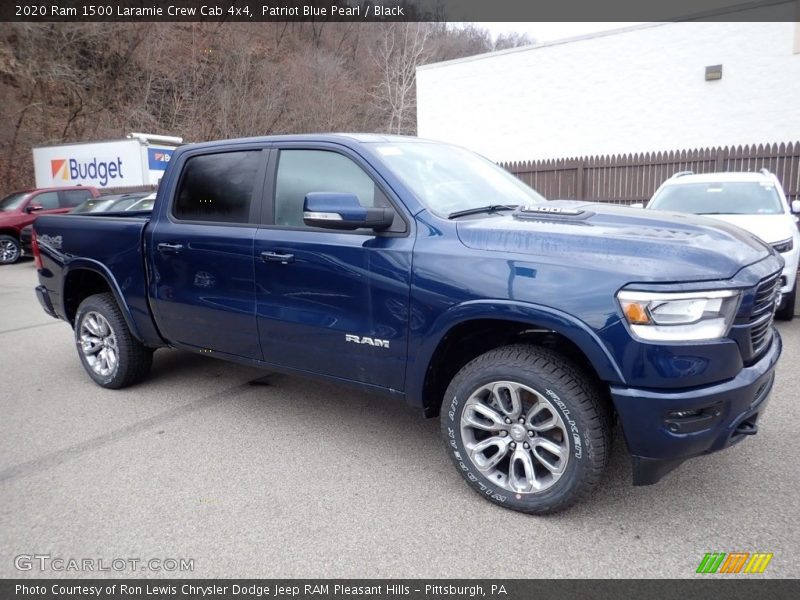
[[648, 245], [770, 228]]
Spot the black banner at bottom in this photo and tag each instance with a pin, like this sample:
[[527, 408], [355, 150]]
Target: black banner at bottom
[[705, 587]]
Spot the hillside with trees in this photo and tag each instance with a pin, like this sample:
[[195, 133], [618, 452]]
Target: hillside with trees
[[202, 81]]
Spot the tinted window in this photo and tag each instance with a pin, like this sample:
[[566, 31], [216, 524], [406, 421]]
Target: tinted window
[[304, 171], [70, 198], [47, 200], [218, 187], [12, 201]]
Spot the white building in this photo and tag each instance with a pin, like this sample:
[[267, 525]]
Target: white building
[[642, 88]]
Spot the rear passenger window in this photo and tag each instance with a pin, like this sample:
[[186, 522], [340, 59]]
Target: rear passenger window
[[47, 200], [304, 171], [71, 198], [218, 187]]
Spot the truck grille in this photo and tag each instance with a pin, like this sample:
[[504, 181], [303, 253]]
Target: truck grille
[[764, 305]]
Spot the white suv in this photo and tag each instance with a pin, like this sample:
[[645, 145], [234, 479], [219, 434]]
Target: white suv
[[753, 201]]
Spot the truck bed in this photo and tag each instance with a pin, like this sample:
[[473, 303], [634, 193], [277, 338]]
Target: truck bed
[[111, 244]]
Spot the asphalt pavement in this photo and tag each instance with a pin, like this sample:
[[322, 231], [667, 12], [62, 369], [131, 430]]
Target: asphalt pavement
[[252, 474]]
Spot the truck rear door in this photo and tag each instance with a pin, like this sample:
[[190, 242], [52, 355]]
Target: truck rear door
[[331, 302], [201, 252]]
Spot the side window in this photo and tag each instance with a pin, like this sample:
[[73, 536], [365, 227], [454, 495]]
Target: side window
[[304, 171], [47, 200], [71, 198], [218, 187]]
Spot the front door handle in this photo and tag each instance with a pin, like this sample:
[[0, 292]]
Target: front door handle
[[166, 248], [278, 257]]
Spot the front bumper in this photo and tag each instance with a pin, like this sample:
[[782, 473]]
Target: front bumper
[[663, 429]]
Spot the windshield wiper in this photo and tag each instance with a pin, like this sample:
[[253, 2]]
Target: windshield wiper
[[490, 208]]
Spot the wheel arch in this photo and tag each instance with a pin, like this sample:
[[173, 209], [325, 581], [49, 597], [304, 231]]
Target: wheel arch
[[10, 231], [470, 329], [84, 278]]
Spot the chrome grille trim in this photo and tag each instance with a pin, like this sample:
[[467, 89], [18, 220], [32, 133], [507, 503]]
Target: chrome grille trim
[[763, 313]]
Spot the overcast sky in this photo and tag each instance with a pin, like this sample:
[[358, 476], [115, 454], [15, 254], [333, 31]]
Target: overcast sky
[[547, 32]]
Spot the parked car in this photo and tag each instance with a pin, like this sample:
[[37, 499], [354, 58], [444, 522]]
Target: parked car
[[20, 209], [145, 204], [424, 272], [754, 201], [110, 203]]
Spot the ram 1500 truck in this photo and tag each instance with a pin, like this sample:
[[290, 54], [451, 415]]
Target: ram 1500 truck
[[422, 271]]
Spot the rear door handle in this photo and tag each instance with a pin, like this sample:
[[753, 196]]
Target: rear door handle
[[278, 257], [166, 248]]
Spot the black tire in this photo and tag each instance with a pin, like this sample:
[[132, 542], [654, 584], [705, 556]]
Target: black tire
[[786, 312], [133, 359], [10, 249], [562, 390]]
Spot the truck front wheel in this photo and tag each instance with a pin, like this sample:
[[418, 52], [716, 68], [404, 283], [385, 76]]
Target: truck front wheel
[[107, 349], [526, 429]]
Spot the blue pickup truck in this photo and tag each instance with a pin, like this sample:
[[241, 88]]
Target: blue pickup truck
[[424, 272]]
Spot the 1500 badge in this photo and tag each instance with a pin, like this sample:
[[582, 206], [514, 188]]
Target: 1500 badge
[[357, 339]]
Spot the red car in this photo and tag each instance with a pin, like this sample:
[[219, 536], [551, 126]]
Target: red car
[[19, 209]]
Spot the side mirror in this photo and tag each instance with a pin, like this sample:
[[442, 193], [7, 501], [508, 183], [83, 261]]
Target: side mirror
[[33, 207], [334, 210], [796, 206], [637, 205]]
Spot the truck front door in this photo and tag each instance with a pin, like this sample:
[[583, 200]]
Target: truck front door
[[201, 253], [331, 302]]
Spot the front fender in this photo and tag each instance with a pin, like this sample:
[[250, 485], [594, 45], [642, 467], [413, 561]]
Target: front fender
[[535, 315]]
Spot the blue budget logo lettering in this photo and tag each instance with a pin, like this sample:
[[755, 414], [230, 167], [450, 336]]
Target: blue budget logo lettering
[[102, 171]]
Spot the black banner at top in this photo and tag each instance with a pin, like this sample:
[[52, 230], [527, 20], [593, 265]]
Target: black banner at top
[[397, 10]]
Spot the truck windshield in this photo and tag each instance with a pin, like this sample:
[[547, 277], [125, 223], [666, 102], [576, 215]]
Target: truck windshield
[[449, 179], [729, 198], [12, 201]]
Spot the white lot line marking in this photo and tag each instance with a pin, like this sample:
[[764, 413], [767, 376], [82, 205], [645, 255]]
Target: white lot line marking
[[61, 456]]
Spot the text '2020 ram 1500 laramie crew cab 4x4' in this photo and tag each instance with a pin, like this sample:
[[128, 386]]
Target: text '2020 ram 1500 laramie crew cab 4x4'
[[421, 271]]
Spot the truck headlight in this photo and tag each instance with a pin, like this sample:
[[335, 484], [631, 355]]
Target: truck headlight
[[678, 317]]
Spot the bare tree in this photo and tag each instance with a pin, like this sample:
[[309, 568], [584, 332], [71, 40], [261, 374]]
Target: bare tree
[[89, 81], [399, 50], [513, 40]]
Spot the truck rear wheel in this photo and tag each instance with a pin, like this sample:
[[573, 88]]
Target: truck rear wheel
[[112, 357], [526, 429]]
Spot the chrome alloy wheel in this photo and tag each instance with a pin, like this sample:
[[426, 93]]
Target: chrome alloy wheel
[[9, 251], [515, 437], [99, 344]]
